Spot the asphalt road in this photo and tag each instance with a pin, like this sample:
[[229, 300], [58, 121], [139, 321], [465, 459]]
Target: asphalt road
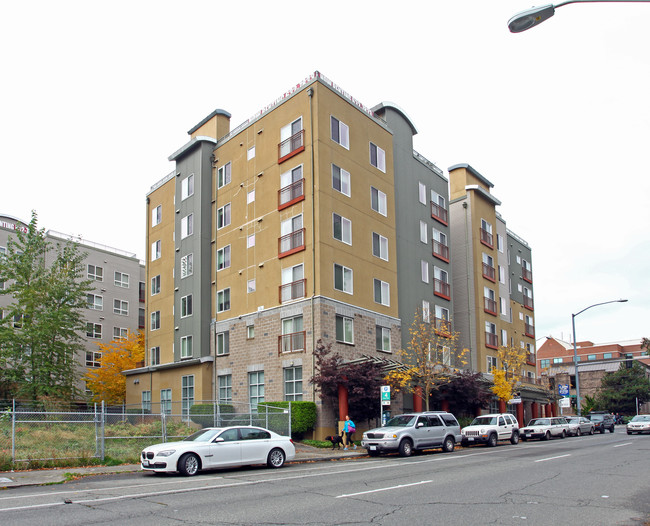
[[600, 479]]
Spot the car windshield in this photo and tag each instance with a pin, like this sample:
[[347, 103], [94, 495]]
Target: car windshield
[[574, 420], [484, 421], [641, 418], [401, 421], [539, 422], [596, 418], [204, 435]]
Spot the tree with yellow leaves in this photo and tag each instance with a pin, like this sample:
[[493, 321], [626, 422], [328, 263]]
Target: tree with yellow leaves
[[431, 359], [107, 382], [507, 374]]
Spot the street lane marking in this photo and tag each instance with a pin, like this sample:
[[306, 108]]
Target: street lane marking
[[384, 489], [625, 444], [552, 458]]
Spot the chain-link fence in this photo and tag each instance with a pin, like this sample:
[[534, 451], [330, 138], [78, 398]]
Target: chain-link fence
[[30, 432]]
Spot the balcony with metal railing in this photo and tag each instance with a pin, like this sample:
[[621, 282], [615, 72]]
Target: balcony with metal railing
[[528, 302], [291, 194], [491, 340], [294, 342], [490, 306], [441, 288], [291, 146], [486, 238], [293, 291], [527, 275], [291, 243], [529, 330], [440, 250], [489, 272], [439, 213], [442, 327]]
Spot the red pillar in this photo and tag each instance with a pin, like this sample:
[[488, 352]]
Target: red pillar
[[548, 411], [520, 414], [502, 406], [534, 409], [343, 402], [444, 405], [417, 399], [553, 409]]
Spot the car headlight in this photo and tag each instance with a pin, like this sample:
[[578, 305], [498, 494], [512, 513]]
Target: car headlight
[[166, 453], [482, 431]]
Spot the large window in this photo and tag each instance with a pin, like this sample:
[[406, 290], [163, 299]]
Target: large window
[[155, 285], [377, 157], [155, 250], [378, 201], [379, 246], [223, 300], [146, 401], [186, 347], [291, 140], [223, 343], [186, 306], [342, 228], [93, 359], [93, 330], [120, 333], [155, 320], [223, 258], [382, 336], [344, 329], [293, 383], [382, 292], [293, 335], [343, 278], [255, 388], [187, 265], [156, 215], [95, 273], [121, 280], [223, 216], [121, 307], [422, 193], [224, 175], [154, 356], [293, 283], [340, 132], [187, 187], [166, 401], [491, 364], [95, 302], [187, 394], [187, 226], [225, 388], [341, 180]]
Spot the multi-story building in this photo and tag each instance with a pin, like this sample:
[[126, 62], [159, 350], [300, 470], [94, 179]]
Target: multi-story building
[[116, 303], [492, 284]]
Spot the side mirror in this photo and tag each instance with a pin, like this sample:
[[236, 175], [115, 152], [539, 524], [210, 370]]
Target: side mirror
[[218, 440], [420, 424]]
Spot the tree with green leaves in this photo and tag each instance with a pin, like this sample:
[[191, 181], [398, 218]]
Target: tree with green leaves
[[40, 330], [621, 389]]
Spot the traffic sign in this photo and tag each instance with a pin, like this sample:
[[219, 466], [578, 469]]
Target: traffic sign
[[385, 402], [385, 393], [563, 389]]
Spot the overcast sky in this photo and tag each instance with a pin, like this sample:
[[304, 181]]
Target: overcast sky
[[96, 96]]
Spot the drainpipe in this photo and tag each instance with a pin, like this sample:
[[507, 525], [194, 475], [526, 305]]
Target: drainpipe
[[310, 94], [469, 307]]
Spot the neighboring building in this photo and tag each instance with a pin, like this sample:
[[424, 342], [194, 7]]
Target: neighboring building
[[492, 285], [555, 361], [115, 306]]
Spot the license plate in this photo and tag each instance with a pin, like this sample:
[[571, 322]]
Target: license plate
[[471, 439], [527, 435], [145, 463], [372, 448]]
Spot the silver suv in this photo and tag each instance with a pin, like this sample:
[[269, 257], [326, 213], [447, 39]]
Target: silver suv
[[489, 429], [413, 431]]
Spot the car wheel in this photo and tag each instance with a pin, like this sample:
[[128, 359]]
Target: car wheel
[[602, 430], [373, 453], [547, 436], [578, 433], [514, 439], [405, 448], [448, 445], [189, 464], [591, 431], [276, 458], [629, 432], [611, 429], [492, 440], [563, 435]]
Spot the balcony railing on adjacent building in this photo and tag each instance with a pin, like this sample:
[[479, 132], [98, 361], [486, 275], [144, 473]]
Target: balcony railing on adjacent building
[[527, 275], [528, 302], [490, 306], [293, 291], [439, 213], [530, 359], [491, 340], [441, 250], [486, 238], [441, 288], [291, 194], [529, 330], [294, 342], [488, 272], [291, 146], [291, 243]]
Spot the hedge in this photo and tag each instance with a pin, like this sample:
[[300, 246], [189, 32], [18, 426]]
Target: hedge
[[203, 414], [303, 415]]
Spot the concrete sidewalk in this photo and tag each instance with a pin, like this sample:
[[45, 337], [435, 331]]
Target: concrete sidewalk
[[37, 477]]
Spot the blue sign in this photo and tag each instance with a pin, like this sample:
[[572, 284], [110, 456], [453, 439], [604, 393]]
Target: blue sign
[[563, 389]]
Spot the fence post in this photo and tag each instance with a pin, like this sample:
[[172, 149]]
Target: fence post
[[266, 416], [290, 404], [96, 420], [163, 426], [13, 431], [214, 413], [103, 444]]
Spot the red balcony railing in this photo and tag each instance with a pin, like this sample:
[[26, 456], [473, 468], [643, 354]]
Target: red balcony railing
[[438, 212], [486, 238], [441, 250], [530, 359], [528, 303], [293, 290], [294, 342], [527, 275], [442, 327], [490, 306], [291, 194], [529, 330], [291, 243], [441, 288], [292, 146], [488, 272], [491, 340]]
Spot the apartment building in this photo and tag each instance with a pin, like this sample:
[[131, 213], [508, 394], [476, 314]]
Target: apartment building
[[116, 304]]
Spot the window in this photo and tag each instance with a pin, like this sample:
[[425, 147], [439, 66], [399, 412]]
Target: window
[[440, 246], [186, 306], [379, 246], [489, 300], [491, 363], [424, 271], [93, 359], [250, 286], [607, 356], [250, 197], [250, 154], [187, 187], [341, 180], [155, 320], [486, 233], [166, 401], [591, 357], [223, 258], [441, 283], [223, 300], [422, 193], [120, 333], [187, 226], [291, 187], [224, 175], [223, 343], [154, 356], [187, 265], [377, 157], [293, 336], [121, 280], [250, 241], [155, 285], [502, 275], [344, 329], [544, 364], [343, 278], [423, 232], [95, 273], [250, 332], [519, 260], [291, 140], [292, 235], [293, 383], [559, 360], [255, 388], [146, 401], [426, 311], [223, 216], [500, 243], [155, 250], [383, 338], [225, 388], [95, 302], [187, 394], [342, 228], [491, 339], [186, 346], [378, 201], [156, 215], [121, 307], [293, 283], [442, 318], [504, 306], [504, 337], [340, 133], [382, 292], [93, 330]]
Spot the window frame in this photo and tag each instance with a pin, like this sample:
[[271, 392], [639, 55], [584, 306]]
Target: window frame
[[384, 292], [187, 187], [187, 307], [342, 132], [382, 245], [344, 180], [345, 228], [121, 282], [344, 271], [344, 329], [379, 157]]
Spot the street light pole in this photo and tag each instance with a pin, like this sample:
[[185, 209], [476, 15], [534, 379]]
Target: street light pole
[[575, 348], [536, 15]]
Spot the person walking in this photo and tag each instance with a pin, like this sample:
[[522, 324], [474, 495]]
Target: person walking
[[349, 428]]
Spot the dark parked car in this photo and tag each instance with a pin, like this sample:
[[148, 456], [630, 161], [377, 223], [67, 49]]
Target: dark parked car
[[602, 421]]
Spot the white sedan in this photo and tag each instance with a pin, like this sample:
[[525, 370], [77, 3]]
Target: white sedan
[[216, 447]]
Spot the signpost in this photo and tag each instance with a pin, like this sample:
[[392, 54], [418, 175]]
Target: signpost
[[385, 402]]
